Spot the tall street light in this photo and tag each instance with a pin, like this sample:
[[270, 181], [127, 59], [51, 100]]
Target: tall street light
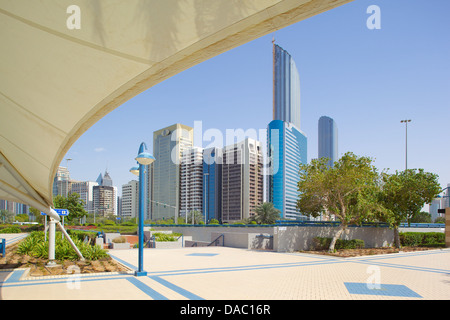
[[144, 159], [406, 150]]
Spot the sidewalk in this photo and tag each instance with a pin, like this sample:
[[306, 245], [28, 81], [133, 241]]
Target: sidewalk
[[221, 273]]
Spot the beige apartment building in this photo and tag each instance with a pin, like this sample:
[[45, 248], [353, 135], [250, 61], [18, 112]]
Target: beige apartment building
[[242, 180]]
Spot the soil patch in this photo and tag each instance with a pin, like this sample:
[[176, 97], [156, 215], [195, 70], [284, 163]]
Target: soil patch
[[345, 253], [38, 268]]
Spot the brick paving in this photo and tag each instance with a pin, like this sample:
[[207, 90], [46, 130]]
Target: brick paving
[[220, 273]]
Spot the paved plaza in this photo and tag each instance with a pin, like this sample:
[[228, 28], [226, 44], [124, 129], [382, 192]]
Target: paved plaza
[[221, 273]]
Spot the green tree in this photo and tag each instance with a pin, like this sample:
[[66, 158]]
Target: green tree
[[21, 217], [73, 203], [421, 217], [6, 216], [404, 195], [196, 215], [266, 213], [348, 191], [37, 215]]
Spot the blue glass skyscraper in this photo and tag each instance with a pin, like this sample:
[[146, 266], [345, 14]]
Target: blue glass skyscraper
[[286, 84], [287, 144], [212, 183], [328, 140], [287, 150]]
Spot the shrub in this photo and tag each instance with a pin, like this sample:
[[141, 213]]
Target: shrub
[[11, 230], [422, 239], [166, 237], [324, 243], [120, 239], [81, 235], [34, 245]]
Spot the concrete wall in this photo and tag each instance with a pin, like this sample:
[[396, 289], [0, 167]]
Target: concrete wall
[[447, 227], [301, 238], [282, 239]]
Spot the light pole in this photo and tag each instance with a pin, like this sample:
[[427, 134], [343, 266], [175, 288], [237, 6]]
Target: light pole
[[144, 159], [406, 144]]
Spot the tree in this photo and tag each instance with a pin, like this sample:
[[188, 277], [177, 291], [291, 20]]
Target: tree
[[197, 215], [348, 190], [73, 203], [421, 217], [266, 213], [405, 193], [6, 216]]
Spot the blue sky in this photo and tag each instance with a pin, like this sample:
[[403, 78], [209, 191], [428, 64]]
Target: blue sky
[[366, 80]]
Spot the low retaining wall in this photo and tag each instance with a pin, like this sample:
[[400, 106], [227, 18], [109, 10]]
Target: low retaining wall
[[280, 238]]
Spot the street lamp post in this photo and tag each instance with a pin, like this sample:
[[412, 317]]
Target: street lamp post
[[406, 145], [144, 159]]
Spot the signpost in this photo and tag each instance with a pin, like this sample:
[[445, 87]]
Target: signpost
[[61, 212]]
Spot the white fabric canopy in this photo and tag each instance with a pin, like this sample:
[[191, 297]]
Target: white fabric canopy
[[56, 82]]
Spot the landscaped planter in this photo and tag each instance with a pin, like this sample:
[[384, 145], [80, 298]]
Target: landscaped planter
[[125, 245]]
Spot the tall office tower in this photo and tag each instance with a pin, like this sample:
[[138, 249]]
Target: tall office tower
[[445, 202], [435, 205], [61, 182], [168, 145], [191, 181], [85, 189], [328, 140], [212, 183], [287, 144], [105, 196], [130, 200], [286, 87], [287, 150], [149, 191], [242, 180]]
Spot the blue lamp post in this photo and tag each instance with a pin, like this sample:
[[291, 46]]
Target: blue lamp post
[[144, 159]]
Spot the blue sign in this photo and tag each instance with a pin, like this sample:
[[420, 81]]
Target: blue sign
[[60, 212]]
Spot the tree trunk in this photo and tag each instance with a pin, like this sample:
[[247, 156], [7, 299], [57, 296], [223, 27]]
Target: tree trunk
[[396, 237], [336, 236]]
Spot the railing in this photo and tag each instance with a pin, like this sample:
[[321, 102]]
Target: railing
[[216, 241], [422, 225], [3, 247]]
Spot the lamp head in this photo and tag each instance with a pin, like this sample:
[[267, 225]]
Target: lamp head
[[145, 158], [134, 170]]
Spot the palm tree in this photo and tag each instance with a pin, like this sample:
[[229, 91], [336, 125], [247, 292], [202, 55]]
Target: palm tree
[[266, 213]]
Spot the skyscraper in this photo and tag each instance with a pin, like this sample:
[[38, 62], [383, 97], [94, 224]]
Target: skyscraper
[[212, 183], [191, 181], [105, 196], [130, 199], [85, 190], [287, 150], [286, 87], [168, 146], [61, 182], [287, 144], [242, 180], [328, 140]]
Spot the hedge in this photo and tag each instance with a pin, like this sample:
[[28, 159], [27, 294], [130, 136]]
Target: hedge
[[324, 243], [422, 239]]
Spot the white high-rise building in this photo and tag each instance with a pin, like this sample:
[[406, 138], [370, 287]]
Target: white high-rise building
[[61, 182], [130, 199], [191, 181], [168, 145], [85, 189]]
